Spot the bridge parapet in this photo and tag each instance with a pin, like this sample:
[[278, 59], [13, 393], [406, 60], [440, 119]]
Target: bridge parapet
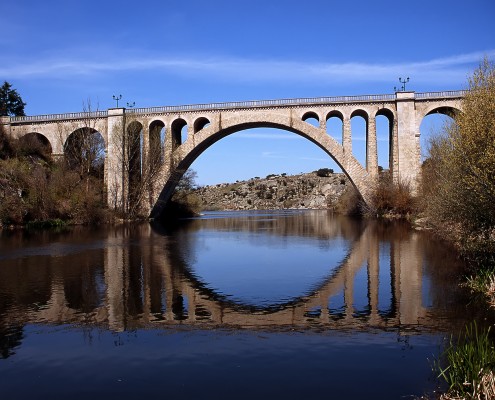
[[371, 98], [264, 103], [59, 117], [446, 94]]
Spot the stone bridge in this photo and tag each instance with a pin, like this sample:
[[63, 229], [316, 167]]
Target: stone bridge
[[153, 147]]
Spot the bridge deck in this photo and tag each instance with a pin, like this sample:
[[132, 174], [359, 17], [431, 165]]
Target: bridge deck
[[242, 105]]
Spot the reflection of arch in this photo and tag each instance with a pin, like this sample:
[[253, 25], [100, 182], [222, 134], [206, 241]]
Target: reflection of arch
[[350, 264], [36, 143], [176, 128], [363, 256], [155, 283], [190, 151], [200, 123]]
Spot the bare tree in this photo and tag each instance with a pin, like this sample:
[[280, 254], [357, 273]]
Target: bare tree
[[84, 147], [140, 160]]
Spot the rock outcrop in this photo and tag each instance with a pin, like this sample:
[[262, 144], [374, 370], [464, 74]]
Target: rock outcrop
[[310, 191]]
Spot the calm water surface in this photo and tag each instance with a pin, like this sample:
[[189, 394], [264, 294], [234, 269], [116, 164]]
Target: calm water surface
[[238, 305]]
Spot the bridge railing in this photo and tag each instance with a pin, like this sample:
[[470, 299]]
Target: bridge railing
[[60, 117], [241, 104], [441, 95], [263, 103]]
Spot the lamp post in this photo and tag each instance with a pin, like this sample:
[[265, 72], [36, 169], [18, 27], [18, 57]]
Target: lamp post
[[130, 105], [117, 98], [403, 87]]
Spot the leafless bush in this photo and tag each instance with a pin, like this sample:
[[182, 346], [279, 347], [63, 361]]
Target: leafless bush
[[391, 199], [349, 203]]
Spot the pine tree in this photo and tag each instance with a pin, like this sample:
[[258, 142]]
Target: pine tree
[[10, 101]]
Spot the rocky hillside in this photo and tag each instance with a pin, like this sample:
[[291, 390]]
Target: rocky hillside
[[316, 190]]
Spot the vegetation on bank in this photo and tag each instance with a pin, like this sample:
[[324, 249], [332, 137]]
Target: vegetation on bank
[[459, 196], [457, 199], [38, 190], [468, 365]]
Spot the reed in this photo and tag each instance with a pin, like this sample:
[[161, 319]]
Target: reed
[[470, 365]]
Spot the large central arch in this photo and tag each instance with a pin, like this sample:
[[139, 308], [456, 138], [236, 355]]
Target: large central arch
[[181, 158]]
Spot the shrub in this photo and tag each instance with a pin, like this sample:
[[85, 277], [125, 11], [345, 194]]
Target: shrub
[[6, 148], [459, 176], [349, 203], [391, 199], [324, 172]]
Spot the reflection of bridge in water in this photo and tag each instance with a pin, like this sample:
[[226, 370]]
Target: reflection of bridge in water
[[144, 278]]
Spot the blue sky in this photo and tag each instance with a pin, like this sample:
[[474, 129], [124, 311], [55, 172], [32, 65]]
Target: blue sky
[[58, 54]]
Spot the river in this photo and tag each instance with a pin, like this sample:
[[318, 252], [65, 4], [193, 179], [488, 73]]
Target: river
[[230, 305]]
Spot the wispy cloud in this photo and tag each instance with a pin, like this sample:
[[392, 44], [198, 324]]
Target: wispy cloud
[[449, 69]]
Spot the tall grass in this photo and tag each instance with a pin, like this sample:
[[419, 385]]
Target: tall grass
[[470, 365]]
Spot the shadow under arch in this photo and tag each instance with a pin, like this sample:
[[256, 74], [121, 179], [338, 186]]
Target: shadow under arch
[[85, 148], [188, 152], [36, 143], [451, 112]]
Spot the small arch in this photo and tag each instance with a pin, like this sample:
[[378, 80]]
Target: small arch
[[35, 143], [335, 125], [451, 112], [360, 113], [134, 160], [433, 122], [156, 141], [384, 136], [84, 149], [359, 135], [177, 129], [335, 113], [311, 118], [200, 123]]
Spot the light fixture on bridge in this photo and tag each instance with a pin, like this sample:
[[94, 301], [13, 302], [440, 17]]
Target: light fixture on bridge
[[403, 87], [130, 105], [117, 98]]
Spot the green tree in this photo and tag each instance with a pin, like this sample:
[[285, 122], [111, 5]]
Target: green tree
[[10, 101]]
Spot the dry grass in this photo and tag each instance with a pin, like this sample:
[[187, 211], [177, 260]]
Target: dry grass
[[484, 389]]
